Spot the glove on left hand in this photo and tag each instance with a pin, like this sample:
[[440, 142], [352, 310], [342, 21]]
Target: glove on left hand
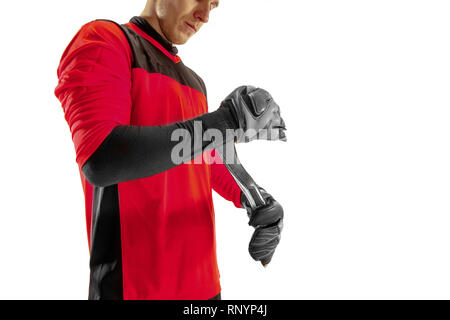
[[268, 223]]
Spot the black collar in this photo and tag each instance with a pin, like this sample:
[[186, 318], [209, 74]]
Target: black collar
[[143, 24]]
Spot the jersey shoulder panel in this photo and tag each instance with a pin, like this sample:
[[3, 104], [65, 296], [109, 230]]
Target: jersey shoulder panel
[[97, 34], [104, 29]]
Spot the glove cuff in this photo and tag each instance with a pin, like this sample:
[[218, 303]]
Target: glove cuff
[[232, 115], [244, 202]]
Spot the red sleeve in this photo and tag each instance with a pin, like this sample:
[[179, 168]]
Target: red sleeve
[[94, 85], [223, 182]]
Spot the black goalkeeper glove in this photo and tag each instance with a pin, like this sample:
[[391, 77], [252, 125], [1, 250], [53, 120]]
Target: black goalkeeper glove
[[256, 113], [268, 223]]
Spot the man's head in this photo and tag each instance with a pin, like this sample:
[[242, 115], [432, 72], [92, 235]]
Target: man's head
[[178, 20]]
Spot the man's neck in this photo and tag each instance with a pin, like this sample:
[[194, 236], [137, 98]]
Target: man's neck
[[146, 26], [153, 21]]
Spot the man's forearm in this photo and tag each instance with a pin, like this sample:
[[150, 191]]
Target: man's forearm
[[134, 152]]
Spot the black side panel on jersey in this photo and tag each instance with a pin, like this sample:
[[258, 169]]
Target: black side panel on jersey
[[106, 281]]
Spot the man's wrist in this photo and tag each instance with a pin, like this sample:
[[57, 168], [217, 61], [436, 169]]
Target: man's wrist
[[232, 115], [221, 119]]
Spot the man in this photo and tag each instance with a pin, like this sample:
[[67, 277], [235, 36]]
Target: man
[[124, 91]]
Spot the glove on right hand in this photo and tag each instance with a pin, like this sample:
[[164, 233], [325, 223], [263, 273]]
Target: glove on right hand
[[257, 114]]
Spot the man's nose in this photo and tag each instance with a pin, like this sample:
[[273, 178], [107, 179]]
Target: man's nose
[[202, 12]]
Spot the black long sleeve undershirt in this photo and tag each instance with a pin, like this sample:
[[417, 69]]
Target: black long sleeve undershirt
[[134, 152]]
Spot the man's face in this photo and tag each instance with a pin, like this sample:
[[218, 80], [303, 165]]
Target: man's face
[[181, 19]]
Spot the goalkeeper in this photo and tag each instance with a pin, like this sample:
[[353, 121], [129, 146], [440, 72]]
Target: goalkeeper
[[124, 90]]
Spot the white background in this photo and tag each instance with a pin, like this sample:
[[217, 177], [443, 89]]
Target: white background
[[364, 177]]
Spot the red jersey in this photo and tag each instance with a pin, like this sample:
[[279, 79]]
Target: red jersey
[[150, 238]]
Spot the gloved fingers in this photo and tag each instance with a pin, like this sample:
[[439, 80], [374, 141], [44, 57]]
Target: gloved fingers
[[262, 255], [280, 225], [282, 135], [271, 132], [282, 124], [263, 243], [266, 259], [277, 128], [276, 107], [279, 122], [265, 238]]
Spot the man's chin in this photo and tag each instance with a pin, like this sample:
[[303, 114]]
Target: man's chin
[[181, 41]]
